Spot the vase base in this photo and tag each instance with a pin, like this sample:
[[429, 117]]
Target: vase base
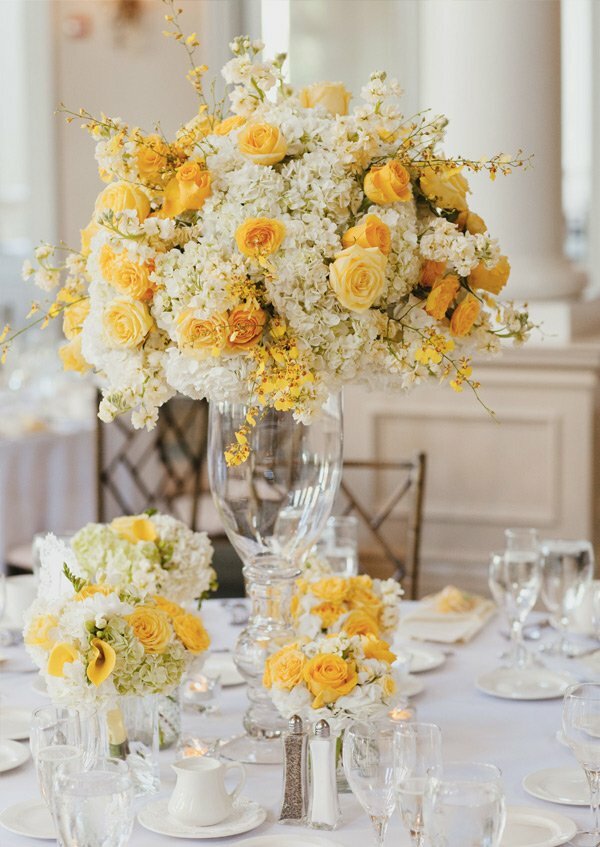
[[253, 751]]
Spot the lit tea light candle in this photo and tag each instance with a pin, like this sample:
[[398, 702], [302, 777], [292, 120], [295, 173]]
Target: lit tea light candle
[[192, 746], [402, 713]]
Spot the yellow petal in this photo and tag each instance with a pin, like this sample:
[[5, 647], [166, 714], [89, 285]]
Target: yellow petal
[[102, 662], [60, 655]]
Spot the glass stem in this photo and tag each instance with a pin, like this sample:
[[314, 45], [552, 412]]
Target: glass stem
[[516, 634], [417, 837], [380, 827], [593, 778]]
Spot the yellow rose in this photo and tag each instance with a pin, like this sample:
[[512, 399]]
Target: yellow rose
[[167, 606], [361, 595], [259, 236], [72, 357], [245, 327], [371, 232], [39, 632], [333, 96], [441, 296], [465, 315], [134, 528], [91, 590], [151, 157], [329, 677], [120, 196], [445, 186], [106, 261], [191, 633], [132, 278], [431, 271], [188, 189], [375, 648], [126, 323], [60, 655], [471, 222], [202, 337], [151, 627], [262, 143], [102, 661], [86, 236], [490, 279], [332, 589], [284, 668], [360, 623], [74, 316], [389, 183], [328, 612], [229, 124], [357, 277]]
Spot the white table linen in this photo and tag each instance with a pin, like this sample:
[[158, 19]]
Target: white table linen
[[519, 737]]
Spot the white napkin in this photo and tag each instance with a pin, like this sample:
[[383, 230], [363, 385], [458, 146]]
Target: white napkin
[[427, 624]]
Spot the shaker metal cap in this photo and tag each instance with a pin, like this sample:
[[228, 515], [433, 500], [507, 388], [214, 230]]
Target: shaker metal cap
[[295, 725], [322, 729]]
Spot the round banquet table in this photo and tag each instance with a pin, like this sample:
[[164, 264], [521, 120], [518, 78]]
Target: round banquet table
[[519, 737]]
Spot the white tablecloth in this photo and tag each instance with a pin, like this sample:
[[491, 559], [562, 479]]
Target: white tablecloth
[[519, 737]]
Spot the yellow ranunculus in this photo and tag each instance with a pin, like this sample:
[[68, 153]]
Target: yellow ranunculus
[[357, 277], [333, 96], [229, 124], [263, 144], [188, 189], [375, 648], [328, 612], [167, 606], [151, 157], [74, 316], [120, 196], [490, 279], [191, 633], [151, 627], [60, 655], [471, 222], [284, 668], [91, 590], [86, 236], [258, 237], [329, 677], [431, 271], [126, 323], [442, 294], [389, 183], [39, 632], [332, 589], [445, 186], [102, 661], [132, 278], [360, 623], [202, 337], [371, 232], [465, 315], [134, 528], [72, 357], [245, 328]]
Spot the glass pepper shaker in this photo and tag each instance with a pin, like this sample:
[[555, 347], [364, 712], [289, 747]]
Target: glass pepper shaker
[[324, 807], [295, 773]]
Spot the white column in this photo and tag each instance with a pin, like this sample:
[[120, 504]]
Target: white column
[[493, 67]]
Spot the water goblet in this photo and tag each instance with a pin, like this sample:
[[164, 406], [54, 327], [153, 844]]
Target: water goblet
[[581, 729], [368, 757], [514, 579], [464, 805], [417, 749], [94, 807], [567, 570]]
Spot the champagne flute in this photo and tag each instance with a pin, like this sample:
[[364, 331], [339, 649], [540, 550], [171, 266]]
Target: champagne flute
[[417, 749], [368, 757], [581, 728], [464, 805], [514, 580], [567, 570]]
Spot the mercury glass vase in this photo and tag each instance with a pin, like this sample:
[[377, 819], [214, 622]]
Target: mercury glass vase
[[273, 507]]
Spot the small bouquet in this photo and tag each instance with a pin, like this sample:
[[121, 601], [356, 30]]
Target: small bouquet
[[356, 605], [98, 642], [152, 553], [338, 678]]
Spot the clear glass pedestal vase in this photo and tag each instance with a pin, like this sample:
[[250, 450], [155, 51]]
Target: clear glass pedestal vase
[[169, 719], [132, 735]]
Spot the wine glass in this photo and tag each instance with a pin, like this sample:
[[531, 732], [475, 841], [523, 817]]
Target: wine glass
[[464, 805], [368, 756], [567, 570], [514, 580], [417, 749], [581, 728]]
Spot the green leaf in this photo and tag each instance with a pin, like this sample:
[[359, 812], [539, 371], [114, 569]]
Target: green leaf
[[76, 581]]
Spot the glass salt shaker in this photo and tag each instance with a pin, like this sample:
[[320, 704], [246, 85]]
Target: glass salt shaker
[[295, 773], [324, 807]]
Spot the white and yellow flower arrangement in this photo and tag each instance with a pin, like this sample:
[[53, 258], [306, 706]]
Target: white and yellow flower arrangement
[[276, 249]]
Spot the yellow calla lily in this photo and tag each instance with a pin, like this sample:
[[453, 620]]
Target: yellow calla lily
[[102, 662], [61, 654]]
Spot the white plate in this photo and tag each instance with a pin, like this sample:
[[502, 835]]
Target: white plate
[[410, 685], [30, 818], [527, 826], [223, 665], [568, 786], [423, 657], [246, 815], [530, 684], [14, 723], [289, 841], [12, 754]]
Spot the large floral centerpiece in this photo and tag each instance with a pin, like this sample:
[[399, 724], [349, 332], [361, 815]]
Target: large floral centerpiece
[[278, 247], [151, 553]]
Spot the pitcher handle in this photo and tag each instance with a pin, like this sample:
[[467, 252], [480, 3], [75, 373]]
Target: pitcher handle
[[242, 770]]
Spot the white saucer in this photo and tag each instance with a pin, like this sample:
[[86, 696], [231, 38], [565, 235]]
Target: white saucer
[[30, 818], [290, 841], [14, 723], [527, 826], [567, 786], [246, 815], [410, 686], [222, 664], [422, 656], [530, 684], [12, 754]]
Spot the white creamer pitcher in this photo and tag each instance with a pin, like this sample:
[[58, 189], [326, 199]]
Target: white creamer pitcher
[[200, 797]]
